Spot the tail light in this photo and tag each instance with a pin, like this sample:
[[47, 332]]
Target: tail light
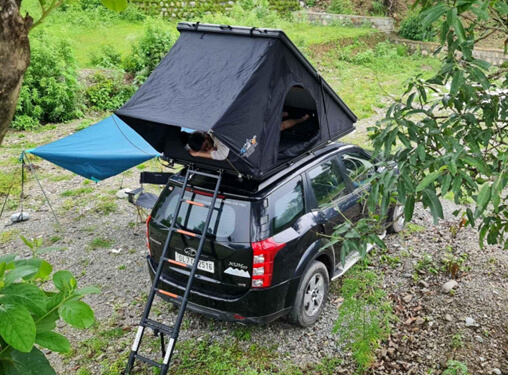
[[147, 234], [262, 264]]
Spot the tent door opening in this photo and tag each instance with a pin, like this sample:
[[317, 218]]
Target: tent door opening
[[302, 136]]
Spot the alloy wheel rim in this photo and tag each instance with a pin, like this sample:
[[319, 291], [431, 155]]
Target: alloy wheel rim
[[314, 295], [399, 212]]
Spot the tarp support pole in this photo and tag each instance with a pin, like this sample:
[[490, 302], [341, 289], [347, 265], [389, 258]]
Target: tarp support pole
[[32, 169]]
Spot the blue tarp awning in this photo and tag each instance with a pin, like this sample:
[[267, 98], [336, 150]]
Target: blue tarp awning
[[99, 151]]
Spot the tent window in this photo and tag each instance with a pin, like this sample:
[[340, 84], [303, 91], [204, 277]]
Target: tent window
[[298, 103]]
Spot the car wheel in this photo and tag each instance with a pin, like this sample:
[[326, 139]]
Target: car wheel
[[396, 218], [311, 295]]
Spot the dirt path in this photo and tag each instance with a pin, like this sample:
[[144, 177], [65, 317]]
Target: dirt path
[[105, 248]]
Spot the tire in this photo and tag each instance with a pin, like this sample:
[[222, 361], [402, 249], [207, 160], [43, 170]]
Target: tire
[[396, 218], [311, 295]]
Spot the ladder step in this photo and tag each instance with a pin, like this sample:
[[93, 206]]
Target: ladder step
[[195, 203], [172, 295], [158, 326], [172, 261], [148, 360], [205, 174], [187, 233]]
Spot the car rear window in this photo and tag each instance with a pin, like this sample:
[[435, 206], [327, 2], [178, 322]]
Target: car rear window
[[230, 219]]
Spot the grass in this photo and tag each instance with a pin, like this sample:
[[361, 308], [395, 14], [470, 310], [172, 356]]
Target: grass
[[77, 192], [99, 242], [364, 316]]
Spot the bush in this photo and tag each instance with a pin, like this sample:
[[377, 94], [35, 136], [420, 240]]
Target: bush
[[149, 50], [31, 308], [340, 7], [108, 57], [108, 91], [50, 88], [412, 28]]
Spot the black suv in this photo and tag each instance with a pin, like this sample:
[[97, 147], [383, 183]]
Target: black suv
[[264, 255]]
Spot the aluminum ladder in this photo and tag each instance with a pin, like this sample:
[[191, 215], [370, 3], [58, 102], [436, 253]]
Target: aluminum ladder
[[146, 322]]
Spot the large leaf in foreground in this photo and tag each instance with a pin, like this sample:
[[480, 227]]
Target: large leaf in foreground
[[17, 327], [77, 314], [33, 363]]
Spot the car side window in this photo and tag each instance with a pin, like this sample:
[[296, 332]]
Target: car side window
[[358, 168], [327, 182], [287, 206]]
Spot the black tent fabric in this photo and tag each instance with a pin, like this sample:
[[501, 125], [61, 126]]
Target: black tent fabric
[[235, 82]]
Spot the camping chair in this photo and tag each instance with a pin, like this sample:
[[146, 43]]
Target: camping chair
[[144, 200]]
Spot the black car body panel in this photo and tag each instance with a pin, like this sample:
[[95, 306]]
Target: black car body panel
[[292, 209]]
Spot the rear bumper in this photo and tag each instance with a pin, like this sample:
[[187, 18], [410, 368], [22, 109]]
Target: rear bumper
[[255, 306]]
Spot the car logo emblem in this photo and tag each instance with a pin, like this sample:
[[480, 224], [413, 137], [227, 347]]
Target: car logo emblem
[[190, 251]]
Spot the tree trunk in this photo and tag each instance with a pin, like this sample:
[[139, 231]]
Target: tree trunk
[[14, 58]]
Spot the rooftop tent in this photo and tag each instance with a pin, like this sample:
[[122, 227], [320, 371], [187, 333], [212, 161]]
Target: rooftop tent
[[99, 151], [236, 82]]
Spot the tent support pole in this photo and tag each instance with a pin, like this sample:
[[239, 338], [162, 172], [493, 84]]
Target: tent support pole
[[32, 169], [324, 104]]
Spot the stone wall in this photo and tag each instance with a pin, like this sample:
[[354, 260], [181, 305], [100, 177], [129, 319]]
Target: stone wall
[[385, 24], [493, 56], [183, 9]]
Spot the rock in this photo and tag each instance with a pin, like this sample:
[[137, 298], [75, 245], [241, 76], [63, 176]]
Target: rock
[[122, 194], [449, 286], [408, 298], [496, 371], [478, 338], [419, 321], [423, 284], [448, 317], [470, 322]]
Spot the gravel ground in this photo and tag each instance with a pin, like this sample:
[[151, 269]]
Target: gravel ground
[[416, 345]]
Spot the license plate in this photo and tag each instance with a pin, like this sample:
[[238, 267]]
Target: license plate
[[203, 265]]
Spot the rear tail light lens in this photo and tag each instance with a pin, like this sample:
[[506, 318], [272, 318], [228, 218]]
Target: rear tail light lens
[[148, 234], [262, 267]]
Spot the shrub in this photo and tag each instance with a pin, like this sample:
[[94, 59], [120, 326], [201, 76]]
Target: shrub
[[108, 57], [412, 28], [146, 54], [50, 88], [29, 312], [340, 7], [108, 91]]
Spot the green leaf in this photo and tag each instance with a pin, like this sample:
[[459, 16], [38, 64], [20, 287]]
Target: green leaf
[[9, 258], [115, 5], [27, 242], [2, 268], [25, 294], [409, 208], [459, 30], [48, 323], [480, 77], [44, 270], [428, 180], [481, 64], [33, 363], [77, 314], [470, 217], [433, 14], [434, 204], [421, 152], [20, 272], [457, 81], [53, 341], [483, 198], [64, 281], [17, 327], [445, 184]]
